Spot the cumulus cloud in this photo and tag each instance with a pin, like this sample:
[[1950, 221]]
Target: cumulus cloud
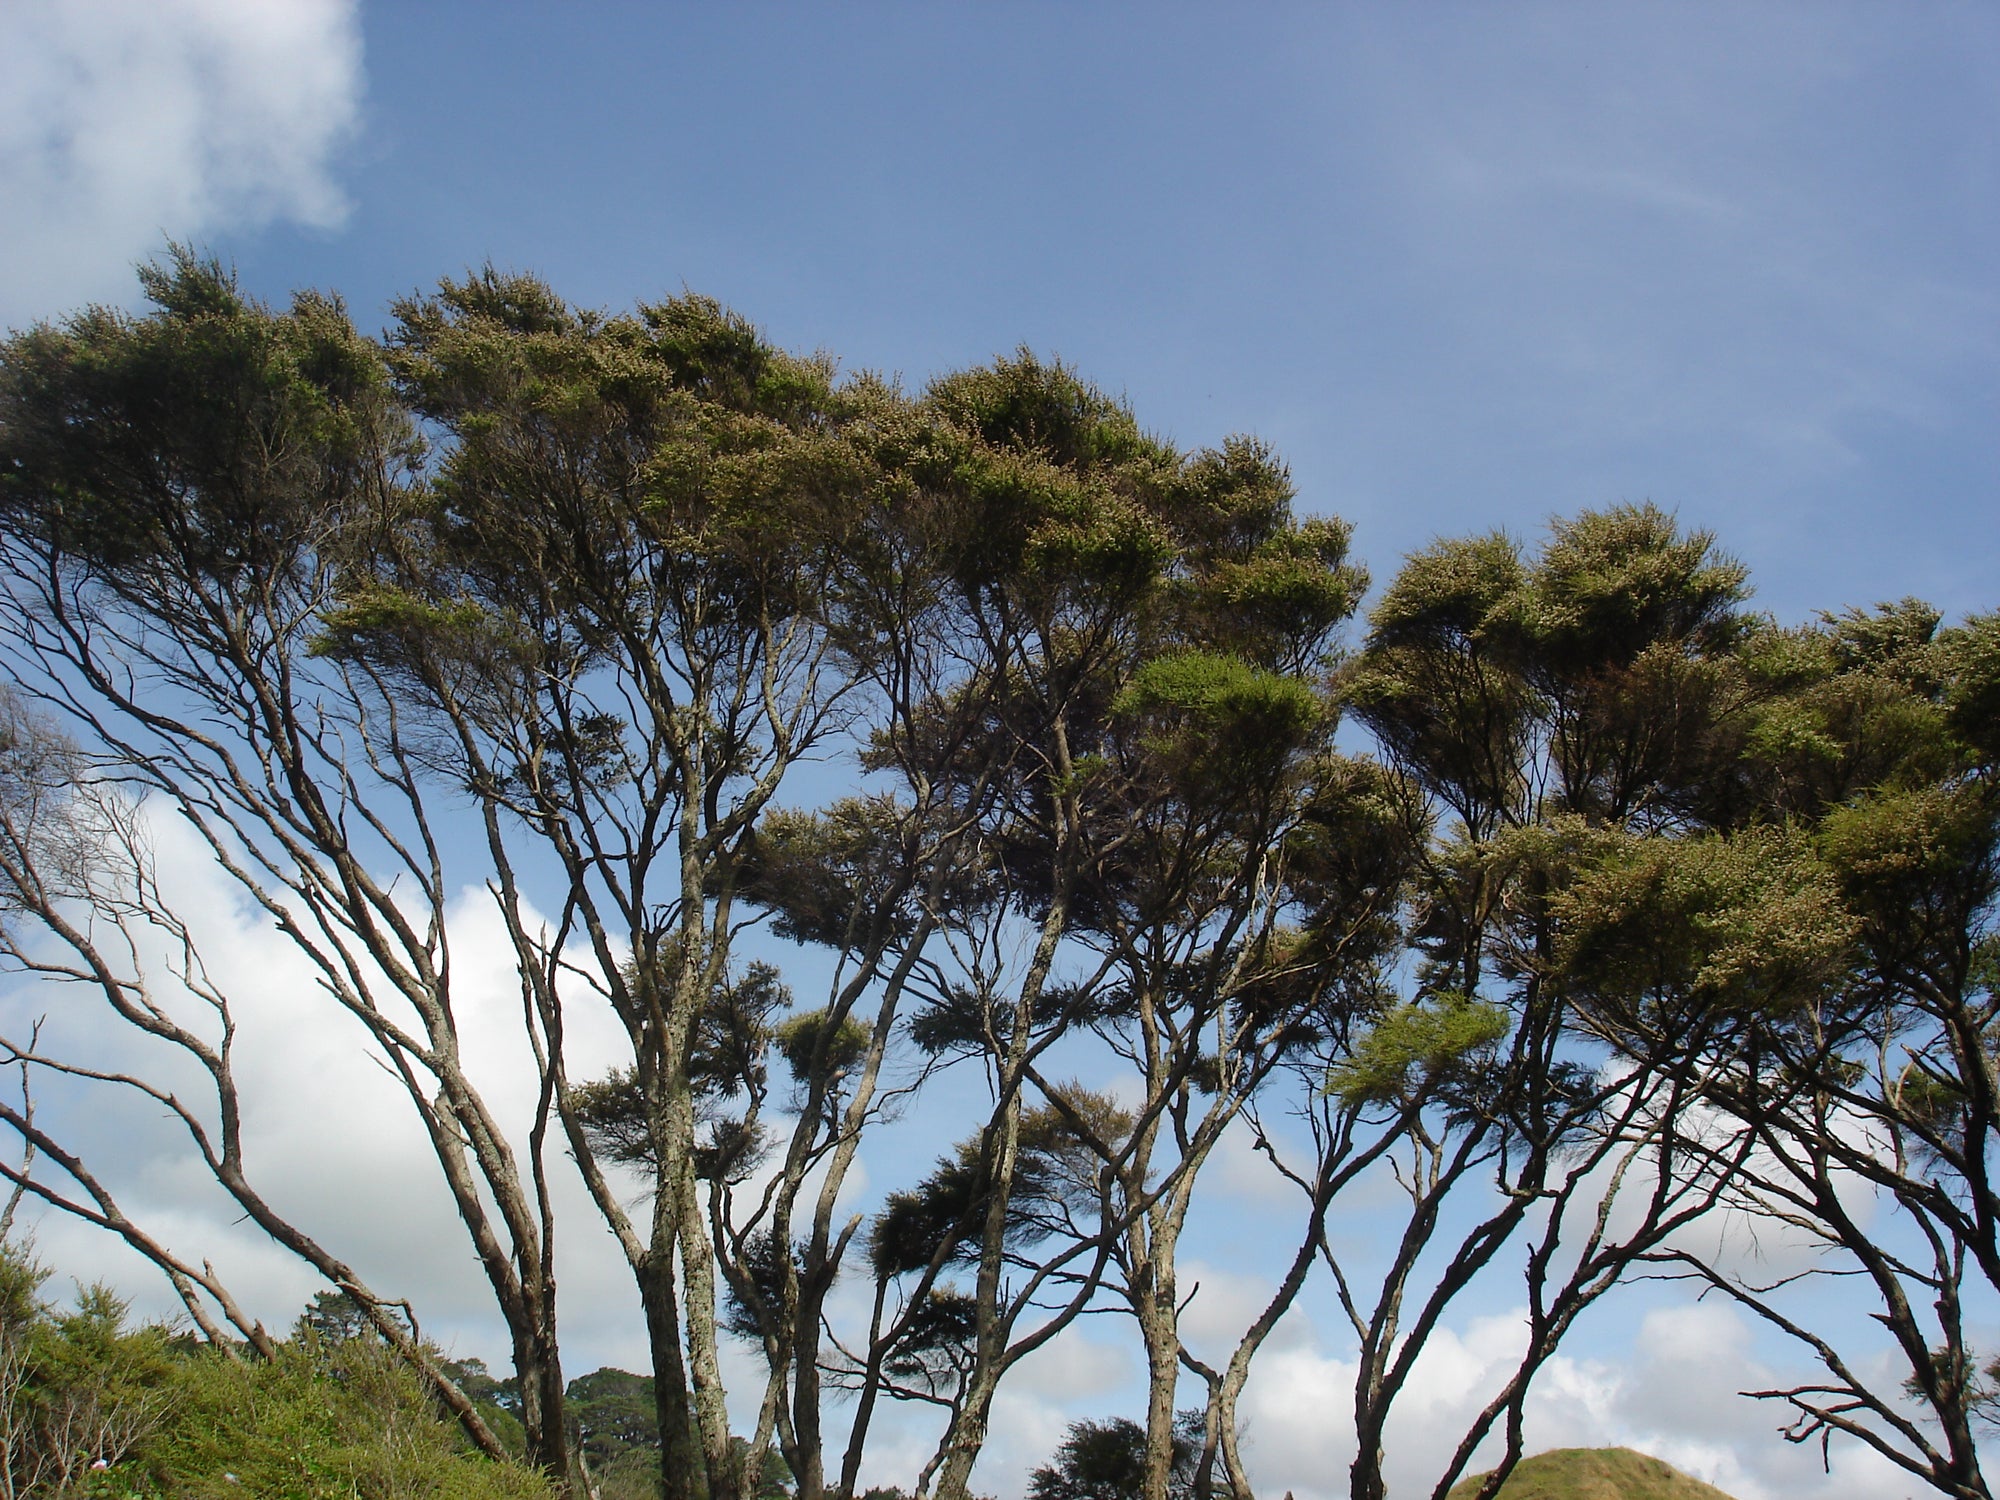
[[335, 1143], [1672, 1392], [125, 120], [330, 1137]]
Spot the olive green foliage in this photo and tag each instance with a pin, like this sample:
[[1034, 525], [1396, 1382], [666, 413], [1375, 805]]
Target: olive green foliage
[[617, 1425], [615, 1414], [331, 1420], [811, 1047], [1593, 1474], [1219, 719], [1054, 1175], [1652, 930], [1603, 652], [730, 1039], [334, 1317], [77, 1387], [831, 877], [1404, 1055], [223, 442], [91, 1406]]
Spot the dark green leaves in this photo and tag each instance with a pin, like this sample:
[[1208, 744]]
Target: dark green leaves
[[212, 445]]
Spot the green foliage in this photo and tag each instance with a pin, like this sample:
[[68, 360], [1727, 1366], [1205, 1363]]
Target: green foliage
[[328, 1416], [78, 1387], [729, 1041], [1611, 583], [1433, 682], [1592, 1474], [1919, 868], [1290, 588], [1971, 660], [814, 1047], [333, 1317], [1414, 1045], [1228, 705], [1034, 407], [1607, 655], [1352, 852], [1055, 1170], [223, 436], [616, 1421], [1107, 1461], [666, 477], [318, 1420], [614, 1413], [1452, 595], [1652, 930], [830, 877]]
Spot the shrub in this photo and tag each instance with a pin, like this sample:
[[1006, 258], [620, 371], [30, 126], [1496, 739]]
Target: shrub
[[92, 1408]]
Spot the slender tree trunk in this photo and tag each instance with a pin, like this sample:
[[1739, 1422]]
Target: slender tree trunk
[[1159, 1327], [725, 1482], [864, 1408], [1371, 1408], [680, 1458], [540, 1375], [810, 1471], [967, 1433]]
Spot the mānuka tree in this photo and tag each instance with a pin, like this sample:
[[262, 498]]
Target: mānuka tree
[[1637, 910]]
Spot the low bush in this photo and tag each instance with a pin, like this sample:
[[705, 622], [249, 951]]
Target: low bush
[[94, 1409]]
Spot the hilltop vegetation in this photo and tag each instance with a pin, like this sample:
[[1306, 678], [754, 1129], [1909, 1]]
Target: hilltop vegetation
[[92, 1405], [1593, 1474]]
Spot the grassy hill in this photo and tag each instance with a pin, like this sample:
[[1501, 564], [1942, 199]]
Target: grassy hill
[[1594, 1474]]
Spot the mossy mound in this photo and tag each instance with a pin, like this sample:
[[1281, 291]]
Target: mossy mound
[[1593, 1474]]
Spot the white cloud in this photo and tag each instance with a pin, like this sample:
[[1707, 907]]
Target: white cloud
[[122, 121], [1075, 1377], [1219, 1304], [335, 1143], [1238, 1170], [330, 1138], [1673, 1394]]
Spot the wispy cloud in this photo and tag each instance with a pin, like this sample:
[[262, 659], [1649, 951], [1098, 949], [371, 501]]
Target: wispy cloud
[[122, 121]]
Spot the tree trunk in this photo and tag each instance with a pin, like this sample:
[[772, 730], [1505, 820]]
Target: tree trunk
[[725, 1482], [1159, 1327], [546, 1434], [680, 1458]]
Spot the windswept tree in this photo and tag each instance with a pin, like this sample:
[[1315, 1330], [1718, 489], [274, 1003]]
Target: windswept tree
[[1157, 628], [1869, 868], [177, 493], [605, 611], [1526, 707], [1641, 913], [553, 570]]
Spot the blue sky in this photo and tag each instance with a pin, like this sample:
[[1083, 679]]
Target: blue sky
[[1466, 266]]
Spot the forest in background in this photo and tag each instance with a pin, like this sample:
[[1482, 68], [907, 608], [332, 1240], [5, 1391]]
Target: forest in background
[[1572, 897]]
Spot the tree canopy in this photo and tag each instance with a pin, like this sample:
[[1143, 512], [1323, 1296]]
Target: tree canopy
[[1563, 904]]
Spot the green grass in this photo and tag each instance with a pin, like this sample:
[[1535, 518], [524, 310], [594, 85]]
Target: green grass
[[1594, 1474], [342, 1421]]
